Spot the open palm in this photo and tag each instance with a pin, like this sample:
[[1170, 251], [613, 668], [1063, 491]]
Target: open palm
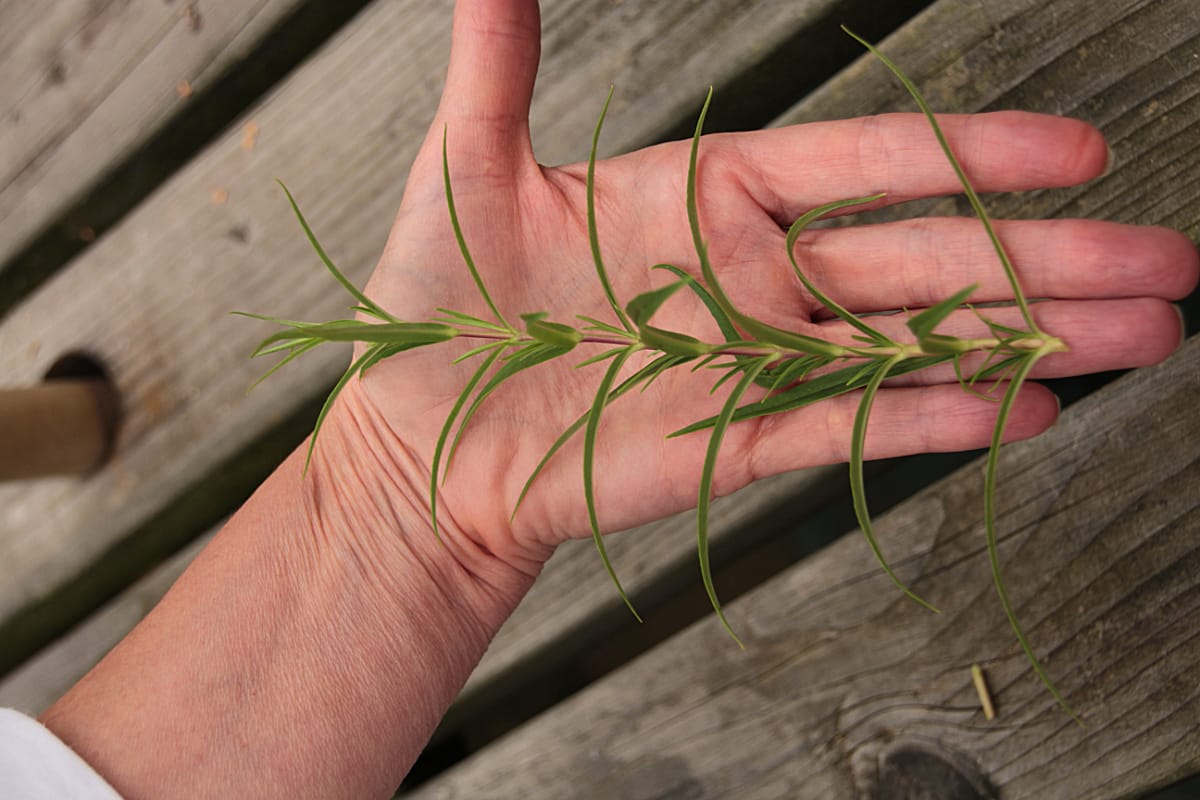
[[527, 228]]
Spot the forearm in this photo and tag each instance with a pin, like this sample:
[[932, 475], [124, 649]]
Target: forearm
[[310, 650]]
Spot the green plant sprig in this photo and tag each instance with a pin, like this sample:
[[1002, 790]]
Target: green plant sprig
[[793, 370]]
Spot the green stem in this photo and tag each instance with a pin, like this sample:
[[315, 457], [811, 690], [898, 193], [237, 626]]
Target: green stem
[[831, 350]]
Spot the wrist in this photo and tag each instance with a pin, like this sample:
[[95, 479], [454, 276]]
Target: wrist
[[366, 500]]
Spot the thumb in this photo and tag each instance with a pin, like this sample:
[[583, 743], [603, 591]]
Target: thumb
[[495, 46]]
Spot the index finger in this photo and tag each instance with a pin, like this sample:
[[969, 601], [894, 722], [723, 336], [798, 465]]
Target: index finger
[[788, 171]]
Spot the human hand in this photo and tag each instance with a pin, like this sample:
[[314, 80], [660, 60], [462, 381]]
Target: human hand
[[526, 227]]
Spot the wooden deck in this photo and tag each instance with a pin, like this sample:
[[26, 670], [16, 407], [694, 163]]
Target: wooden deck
[[845, 690]]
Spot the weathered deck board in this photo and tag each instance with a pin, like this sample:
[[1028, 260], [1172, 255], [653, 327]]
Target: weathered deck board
[[1129, 68], [151, 299], [843, 677], [86, 83], [574, 594], [845, 680]]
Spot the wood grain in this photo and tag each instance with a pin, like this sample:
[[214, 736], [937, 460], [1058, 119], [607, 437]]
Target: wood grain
[[86, 83], [151, 300], [842, 674], [845, 680], [1129, 68]]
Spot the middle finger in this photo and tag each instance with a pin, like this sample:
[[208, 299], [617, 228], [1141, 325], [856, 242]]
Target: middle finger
[[916, 263]]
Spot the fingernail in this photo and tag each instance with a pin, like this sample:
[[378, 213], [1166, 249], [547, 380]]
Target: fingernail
[[1054, 423], [1183, 325], [1110, 164]]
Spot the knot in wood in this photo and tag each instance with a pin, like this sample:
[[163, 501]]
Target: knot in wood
[[912, 771]]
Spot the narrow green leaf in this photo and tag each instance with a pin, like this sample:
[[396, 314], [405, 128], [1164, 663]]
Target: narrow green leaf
[[596, 359], [656, 369], [969, 387], [858, 490], [589, 457], [641, 308], [282, 346], [760, 330], [968, 188], [593, 235], [706, 483], [796, 369], [411, 333], [924, 323], [718, 314], [281, 340], [989, 520], [497, 348], [337, 389], [265, 349], [362, 299], [470, 320], [1004, 369], [293, 336], [865, 372], [793, 234], [671, 342], [811, 391], [939, 343], [483, 348], [351, 330], [787, 339], [289, 322], [551, 332], [373, 313], [462, 242], [706, 361], [988, 359], [297, 350], [602, 327], [998, 330], [528, 356], [730, 371], [380, 352], [693, 213], [645, 373], [958, 373], [996, 368]]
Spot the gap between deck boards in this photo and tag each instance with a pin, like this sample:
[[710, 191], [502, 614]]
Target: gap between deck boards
[[545, 678], [207, 113]]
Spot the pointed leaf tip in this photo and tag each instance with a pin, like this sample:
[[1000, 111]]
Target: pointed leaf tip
[[643, 307], [925, 322]]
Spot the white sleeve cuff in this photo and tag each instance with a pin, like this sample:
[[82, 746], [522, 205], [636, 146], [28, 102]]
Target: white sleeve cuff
[[35, 764]]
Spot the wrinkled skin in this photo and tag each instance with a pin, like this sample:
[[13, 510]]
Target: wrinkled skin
[[526, 225]]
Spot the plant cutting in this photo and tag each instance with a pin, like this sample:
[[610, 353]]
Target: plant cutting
[[786, 370]]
